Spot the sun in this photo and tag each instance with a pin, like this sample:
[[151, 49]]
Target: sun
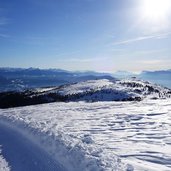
[[154, 16], [156, 10]]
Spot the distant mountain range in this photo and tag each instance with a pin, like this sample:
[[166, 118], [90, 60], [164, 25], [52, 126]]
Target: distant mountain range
[[21, 79], [162, 77], [163, 74], [123, 74]]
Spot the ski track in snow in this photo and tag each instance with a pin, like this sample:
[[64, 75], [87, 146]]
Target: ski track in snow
[[22, 154], [137, 132]]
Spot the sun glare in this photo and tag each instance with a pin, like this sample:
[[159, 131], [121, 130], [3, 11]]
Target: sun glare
[[156, 9], [155, 15]]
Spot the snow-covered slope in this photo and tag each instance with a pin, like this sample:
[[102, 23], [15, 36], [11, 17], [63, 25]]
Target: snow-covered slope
[[109, 136], [22, 153], [108, 90], [3, 164], [89, 91], [146, 89]]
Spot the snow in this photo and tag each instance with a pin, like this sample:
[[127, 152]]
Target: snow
[[110, 136], [85, 86], [3, 164], [22, 153], [145, 88], [41, 90], [109, 90]]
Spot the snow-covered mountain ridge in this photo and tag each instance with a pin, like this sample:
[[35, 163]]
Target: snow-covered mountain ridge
[[108, 90], [89, 91]]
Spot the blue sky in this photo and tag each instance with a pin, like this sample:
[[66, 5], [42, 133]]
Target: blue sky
[[100, 35]]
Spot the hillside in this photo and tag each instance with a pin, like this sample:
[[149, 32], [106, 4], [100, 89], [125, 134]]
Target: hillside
[[89, 91]]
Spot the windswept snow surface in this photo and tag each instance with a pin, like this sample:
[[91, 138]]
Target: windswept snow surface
[[99, 136]]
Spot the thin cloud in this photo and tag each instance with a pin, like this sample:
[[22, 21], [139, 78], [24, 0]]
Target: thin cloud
[[4, 35], [154, 62], [3, 21], [68, 53], [158, 36], [95, 59]]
